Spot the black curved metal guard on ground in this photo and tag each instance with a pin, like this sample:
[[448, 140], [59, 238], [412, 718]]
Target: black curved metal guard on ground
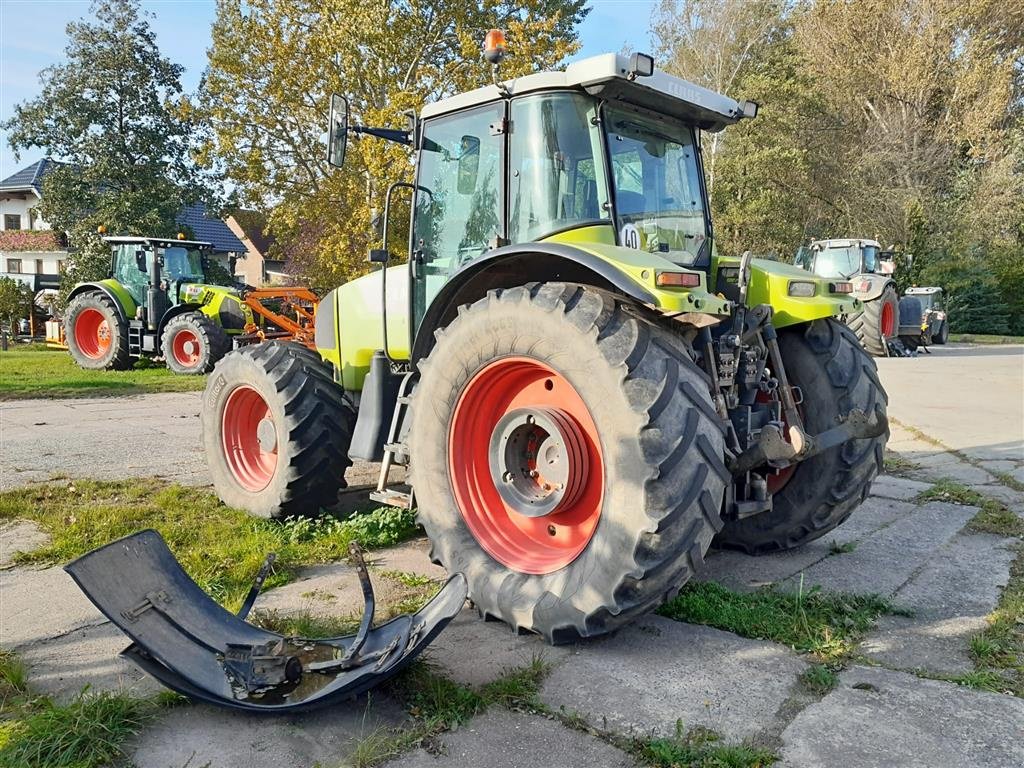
[[197, 648]]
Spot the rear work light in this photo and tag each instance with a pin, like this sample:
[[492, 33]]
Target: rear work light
[[677, 279], [841, 287], [803, 288]]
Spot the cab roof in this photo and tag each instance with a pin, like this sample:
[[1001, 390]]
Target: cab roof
[[607, 76], [163, 242], [845, 243]]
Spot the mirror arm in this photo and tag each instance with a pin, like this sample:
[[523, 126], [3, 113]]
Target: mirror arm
[[389, 134]]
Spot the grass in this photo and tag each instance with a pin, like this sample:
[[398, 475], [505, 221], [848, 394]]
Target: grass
[[701, 748], [825, 624], [221, 548], [894, 464], [993, 516], [836, 548], [819, 679], [998, 651], [985, 338], [51, 373]]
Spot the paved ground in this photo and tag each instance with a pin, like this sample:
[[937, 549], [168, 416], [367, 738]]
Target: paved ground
[[646, 678]]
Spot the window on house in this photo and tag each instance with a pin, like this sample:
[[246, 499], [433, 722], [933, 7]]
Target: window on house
[[39, 266], [14, 266], [12, 221]]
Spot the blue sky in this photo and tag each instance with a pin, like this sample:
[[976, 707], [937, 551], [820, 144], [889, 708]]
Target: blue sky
[[32, 37]]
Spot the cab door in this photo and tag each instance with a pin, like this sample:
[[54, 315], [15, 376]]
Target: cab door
[[459, 205]]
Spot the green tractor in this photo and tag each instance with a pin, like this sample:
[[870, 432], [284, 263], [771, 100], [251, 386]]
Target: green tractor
[[155, 303], [586, 392], [863, 262]]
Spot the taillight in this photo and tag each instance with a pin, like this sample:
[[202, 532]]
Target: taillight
[[841, 287], [677, 279]]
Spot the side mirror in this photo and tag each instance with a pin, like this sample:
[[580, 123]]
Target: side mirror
[[337, 131], [469, 164]]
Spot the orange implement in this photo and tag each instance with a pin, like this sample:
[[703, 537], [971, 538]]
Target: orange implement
[[292, 317]]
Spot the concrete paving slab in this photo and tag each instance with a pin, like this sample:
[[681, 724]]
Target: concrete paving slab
[[656, 672], [200, 735], [895, 719], [1013, 500], [19, 536], [36, 605], [899, 488], [938, 467], [502, 739], [474, 652], [1000, 465], [743, 572], [950, 597], [886, 559], [63, 666]]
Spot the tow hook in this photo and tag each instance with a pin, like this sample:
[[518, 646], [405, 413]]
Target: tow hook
[[772, 447]]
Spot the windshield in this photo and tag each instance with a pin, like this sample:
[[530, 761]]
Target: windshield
[[182, 264], [838, 262], [659, 204]]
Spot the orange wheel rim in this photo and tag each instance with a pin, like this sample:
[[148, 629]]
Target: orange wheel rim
[[92, 333], [186, 348], [249, 439], [526, 465], [888, 320]]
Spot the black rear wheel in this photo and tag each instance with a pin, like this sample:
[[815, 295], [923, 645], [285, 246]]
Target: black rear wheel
[[834, 374], [276, 430], [96, 335], [942, 335], [566, 457], [878, 322]]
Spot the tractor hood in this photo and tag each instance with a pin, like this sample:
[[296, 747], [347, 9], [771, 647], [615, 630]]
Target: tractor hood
[[192, 645]]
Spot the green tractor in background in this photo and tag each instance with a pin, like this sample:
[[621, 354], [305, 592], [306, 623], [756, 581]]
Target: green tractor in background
[[155, 303], [862, 262], [587, 393]]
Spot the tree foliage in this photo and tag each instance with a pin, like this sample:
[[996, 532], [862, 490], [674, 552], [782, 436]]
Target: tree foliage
[[273, 65], [15, 302], [115, 117], [893, 119]]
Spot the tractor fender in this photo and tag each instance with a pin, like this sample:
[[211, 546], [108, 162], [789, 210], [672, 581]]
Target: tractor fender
[[110, 293], [868, 287], [513, 265], [172, 313]]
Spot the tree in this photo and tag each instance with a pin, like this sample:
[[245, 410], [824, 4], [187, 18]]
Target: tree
[[15, 301], [115, 117], [273, 65]]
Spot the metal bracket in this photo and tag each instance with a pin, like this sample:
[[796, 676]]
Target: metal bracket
[[152, 600]]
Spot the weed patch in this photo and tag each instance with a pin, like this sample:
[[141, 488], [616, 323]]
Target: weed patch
[[836, 548], [998, 651], [993, 517], [819, 679], [894, 464], [701, 748], [825, 624], [221, 548]]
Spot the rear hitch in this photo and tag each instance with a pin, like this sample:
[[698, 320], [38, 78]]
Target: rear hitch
[[193, 646], [773, 448]]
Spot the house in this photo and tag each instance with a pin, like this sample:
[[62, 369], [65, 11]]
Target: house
[[30, 251], [259, 266]]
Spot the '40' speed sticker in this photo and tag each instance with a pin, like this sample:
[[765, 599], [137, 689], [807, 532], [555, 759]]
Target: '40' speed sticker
[[629, 236]]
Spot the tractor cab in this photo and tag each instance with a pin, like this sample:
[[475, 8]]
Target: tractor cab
[[843, 258], [154, 270]]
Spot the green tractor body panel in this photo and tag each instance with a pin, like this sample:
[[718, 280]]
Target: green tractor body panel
[[770, 284], [121, 294], [223, 305]]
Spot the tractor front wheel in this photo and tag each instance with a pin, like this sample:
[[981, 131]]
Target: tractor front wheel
[[834, 374], [878, 323], [96, 336], [276, 430], [566, 457], [192, 343]]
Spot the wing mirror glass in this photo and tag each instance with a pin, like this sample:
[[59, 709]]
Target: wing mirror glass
[[337, 131]]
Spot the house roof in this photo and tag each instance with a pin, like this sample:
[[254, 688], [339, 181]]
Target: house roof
[[254, 227], [28, 178], [210, 229]]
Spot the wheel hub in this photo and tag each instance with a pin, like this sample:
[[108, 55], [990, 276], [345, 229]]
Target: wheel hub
[[267, 435], [538, 459]]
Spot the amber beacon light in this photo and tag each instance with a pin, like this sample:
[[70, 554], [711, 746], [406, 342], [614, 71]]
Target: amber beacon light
[[494, 46]]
